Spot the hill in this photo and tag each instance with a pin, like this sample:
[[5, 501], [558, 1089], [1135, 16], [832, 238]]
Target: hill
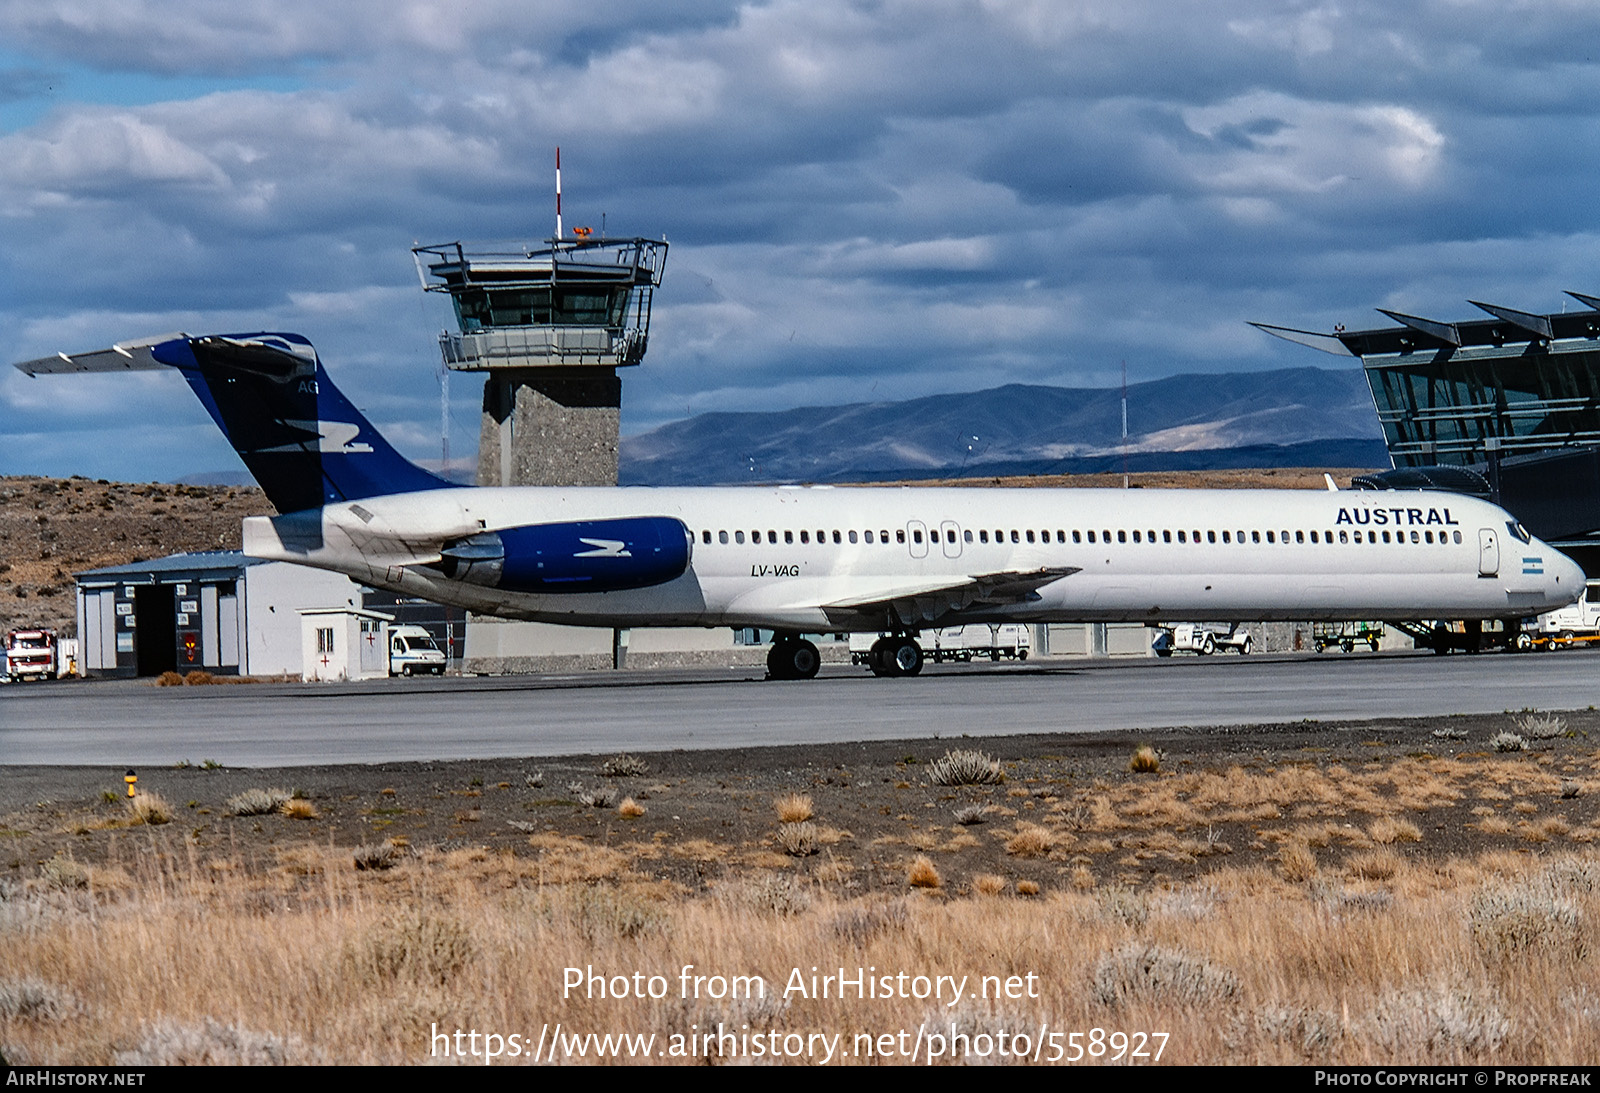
[[1293, 417]]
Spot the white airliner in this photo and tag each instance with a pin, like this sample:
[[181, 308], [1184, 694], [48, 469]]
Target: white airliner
[[801, 560]]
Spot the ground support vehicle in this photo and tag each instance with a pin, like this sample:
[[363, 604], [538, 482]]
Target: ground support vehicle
[[412, 651], [1347, 635], [1575, 624], [1196, 638], [1472, 636], [32, 654], [961, 644], [38, 653]]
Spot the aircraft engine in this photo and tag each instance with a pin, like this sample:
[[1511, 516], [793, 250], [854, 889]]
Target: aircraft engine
[[581, 556]]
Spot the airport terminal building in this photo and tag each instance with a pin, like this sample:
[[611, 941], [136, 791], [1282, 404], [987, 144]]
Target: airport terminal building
[[1506, 407]]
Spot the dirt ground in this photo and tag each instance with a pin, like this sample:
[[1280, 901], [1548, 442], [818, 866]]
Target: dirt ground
[[1068, 811], [51, 528]]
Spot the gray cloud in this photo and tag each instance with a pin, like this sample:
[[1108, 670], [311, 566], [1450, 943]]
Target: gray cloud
[[866, 200]]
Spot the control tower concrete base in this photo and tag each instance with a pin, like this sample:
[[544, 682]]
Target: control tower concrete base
[[550, 427]]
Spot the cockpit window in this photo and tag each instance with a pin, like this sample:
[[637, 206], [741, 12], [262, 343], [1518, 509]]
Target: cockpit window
[[1518, 531]]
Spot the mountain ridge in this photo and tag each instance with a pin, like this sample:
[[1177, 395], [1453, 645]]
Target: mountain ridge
[[1287, 417]]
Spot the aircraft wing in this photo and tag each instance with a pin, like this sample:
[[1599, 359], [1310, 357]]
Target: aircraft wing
[[129, 356], [925, 604]]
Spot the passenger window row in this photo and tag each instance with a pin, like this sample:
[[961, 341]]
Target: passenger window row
[[1104, 536]]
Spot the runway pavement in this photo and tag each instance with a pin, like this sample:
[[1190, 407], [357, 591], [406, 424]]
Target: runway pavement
[[132, 722]]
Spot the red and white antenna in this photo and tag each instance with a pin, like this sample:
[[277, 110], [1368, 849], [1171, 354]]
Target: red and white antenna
[[558, 193]]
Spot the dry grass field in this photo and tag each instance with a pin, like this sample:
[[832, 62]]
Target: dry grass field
[[1391, 894]]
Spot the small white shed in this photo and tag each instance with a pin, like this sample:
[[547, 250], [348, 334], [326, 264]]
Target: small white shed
[[339, 643]]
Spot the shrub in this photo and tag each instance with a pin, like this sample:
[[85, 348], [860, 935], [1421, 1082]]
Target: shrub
[[965, 768], [256, 802], [1146, 760], [923, 874], [1125, 905], [798, 839], [298, 808], [36, 1000], [375, 856], [780, 895], [630, 808], [625, 766], [1374, 865], [169, 1043], [1508, 741], [599, 797], [416, 946], [861, 923], [1386, 830], [1540, 726], [1135, 973], [1296, 861], [149, 808], [989, 884], [1437, 1024], [1512, 922], [1573, 875], [169, 679], [199, 678], [1310, 1031], [968, 815], [793, 808], [602, 913], [1030, 841], [64, 873], [1027, 888]]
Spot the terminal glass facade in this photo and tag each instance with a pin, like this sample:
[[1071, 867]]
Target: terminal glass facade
[[1446, 407]]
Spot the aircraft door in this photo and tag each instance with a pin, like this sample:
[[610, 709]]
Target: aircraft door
[[950, 536], [1488, 553], [917, 538]]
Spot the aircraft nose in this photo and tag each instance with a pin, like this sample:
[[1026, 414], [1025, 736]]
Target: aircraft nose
[[1569, 579]]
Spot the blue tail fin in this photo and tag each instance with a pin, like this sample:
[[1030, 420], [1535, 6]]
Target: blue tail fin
[[301, 438]]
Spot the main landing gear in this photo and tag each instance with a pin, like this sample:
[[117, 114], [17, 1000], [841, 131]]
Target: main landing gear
[[793, 657], [895, 656]]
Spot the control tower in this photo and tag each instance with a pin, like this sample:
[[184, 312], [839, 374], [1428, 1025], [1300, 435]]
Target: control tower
[[549, 327]]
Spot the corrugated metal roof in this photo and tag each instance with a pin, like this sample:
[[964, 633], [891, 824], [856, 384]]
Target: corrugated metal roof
[[203, 561]]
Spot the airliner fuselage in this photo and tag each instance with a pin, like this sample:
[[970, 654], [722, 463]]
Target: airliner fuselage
[[820, 558]]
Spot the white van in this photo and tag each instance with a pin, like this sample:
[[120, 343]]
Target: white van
[[411, 650]]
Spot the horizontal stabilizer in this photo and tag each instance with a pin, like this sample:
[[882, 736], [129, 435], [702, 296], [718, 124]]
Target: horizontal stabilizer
[[302, 439], [925, 604], [130, 356]]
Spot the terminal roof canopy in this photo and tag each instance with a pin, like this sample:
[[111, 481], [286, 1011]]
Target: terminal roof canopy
[[1505, 326]]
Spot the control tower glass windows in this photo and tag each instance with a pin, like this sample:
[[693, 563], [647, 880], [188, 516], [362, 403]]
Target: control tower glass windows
[[524, 305]]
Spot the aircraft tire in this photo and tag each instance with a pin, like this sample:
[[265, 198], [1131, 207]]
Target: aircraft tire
[[906, 657], [793, 658], [878, 658], [778, 661], [803, 659]]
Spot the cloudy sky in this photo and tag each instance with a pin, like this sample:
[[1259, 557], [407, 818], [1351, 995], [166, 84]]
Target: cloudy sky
[[865, 200]]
